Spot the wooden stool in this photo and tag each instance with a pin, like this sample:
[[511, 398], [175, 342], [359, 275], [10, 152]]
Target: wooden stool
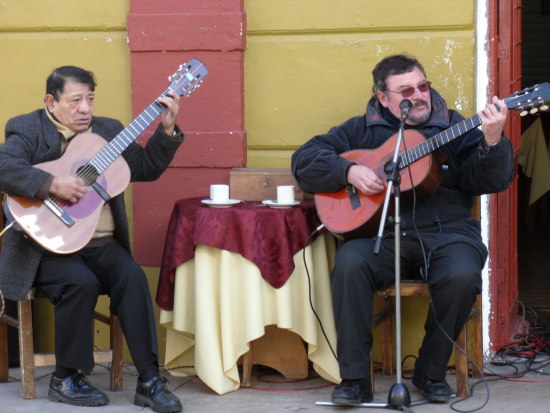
[[419, 289], [29, 359]]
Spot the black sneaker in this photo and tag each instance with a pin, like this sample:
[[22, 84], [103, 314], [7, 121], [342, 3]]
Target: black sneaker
[[76, 390], [434, 391], [352, 392]]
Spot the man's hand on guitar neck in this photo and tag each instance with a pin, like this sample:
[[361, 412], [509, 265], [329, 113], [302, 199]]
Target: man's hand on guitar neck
[[364, 179], [493, 118], [172, 104], [68, 188]]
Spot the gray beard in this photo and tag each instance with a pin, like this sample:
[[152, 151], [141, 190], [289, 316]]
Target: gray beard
[[420, 119]]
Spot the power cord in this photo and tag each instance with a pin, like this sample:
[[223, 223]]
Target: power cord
[[310, 295], [530, 351]]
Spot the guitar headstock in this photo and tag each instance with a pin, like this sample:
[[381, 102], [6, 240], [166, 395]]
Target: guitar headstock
[[188, 77], [530, 100]]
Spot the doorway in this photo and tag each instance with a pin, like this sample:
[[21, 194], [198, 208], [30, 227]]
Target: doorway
[[534, 215]]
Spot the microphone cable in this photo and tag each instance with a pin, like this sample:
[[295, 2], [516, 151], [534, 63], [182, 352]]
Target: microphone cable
[[308, 242]]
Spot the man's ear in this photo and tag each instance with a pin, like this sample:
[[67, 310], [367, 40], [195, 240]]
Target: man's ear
[[382, 98], [50, 102]]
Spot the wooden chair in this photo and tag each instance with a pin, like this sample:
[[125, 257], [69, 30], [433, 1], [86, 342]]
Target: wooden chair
[[471, 332], [29, 359]]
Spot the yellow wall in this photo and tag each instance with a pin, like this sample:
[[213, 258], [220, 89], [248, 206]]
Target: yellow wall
[[308, 63], [38, 36], [308, 67]]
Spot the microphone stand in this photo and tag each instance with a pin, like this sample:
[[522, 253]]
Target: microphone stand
[[399, 397]]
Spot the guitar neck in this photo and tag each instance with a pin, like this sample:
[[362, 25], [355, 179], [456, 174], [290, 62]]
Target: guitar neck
[[114, 148], [188, 77], [519, 100], [437, 141]]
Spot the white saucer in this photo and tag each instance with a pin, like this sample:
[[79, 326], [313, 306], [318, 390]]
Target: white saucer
[[224, 204], [275, 204]]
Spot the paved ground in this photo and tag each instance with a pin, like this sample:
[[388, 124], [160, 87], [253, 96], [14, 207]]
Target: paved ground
[[269, 393]]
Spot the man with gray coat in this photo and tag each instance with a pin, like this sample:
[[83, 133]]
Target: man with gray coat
[[104, 265]]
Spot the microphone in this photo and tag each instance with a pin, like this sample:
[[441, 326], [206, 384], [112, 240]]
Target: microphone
[[405, 106]]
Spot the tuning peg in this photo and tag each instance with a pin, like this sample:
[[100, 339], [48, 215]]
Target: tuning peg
[[544, 107], [533, 111], [170, 78], [523, 113]]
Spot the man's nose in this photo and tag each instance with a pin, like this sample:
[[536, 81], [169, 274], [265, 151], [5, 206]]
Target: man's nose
[[85, 106], [417, 94]]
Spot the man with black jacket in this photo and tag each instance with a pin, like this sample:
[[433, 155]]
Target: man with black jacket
[[105, 265], [439, 235]]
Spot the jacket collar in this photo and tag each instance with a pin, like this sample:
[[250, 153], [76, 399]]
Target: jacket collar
[[376, 114]]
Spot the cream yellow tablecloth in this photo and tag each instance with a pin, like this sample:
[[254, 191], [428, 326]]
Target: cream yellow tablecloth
[[221, 303]]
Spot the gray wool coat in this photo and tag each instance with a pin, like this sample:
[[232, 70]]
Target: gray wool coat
[[31, 139]]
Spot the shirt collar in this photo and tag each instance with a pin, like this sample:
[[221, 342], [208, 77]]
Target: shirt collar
[[62, 129]]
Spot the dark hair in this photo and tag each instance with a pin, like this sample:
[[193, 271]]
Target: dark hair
[[396, 64], [57, 79]]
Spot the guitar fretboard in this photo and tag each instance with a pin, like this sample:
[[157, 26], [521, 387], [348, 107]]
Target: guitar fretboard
[[188, 77], [459, 129], [437, 141], [114, 148]]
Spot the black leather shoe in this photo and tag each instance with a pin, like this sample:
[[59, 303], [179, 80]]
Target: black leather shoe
[[352, 392], [434, 391], [153, 393], [76, 390]]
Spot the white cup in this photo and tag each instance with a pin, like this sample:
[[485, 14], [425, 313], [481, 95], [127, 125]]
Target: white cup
[[219, 193], [285, 194]]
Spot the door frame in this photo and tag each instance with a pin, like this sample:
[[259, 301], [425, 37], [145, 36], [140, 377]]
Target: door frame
[[505, 78]]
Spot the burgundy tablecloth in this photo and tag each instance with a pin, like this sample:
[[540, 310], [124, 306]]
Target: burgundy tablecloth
[[267, 236]]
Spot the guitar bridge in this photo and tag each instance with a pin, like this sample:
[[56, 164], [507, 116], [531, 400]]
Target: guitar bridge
[[59, 212]]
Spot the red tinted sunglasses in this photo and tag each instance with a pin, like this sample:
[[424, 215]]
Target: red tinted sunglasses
[[409, 91]]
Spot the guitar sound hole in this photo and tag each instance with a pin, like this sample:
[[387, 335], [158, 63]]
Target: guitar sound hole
[[387, 168], [87, 173], [388, 165]]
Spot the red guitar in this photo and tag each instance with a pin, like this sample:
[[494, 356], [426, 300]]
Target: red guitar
[[353, 214], [62, 227]]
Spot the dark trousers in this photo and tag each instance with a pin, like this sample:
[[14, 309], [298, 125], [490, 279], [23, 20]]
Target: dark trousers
[[454, 279], [73, 283]]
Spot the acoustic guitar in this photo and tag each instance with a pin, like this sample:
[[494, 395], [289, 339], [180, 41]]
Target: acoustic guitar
[[353, 214], [62, 227]]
